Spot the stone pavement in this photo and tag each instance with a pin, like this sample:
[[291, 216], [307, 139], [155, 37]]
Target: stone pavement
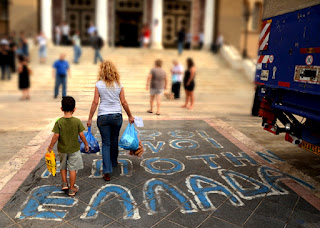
[[223, 97], [192, 174]]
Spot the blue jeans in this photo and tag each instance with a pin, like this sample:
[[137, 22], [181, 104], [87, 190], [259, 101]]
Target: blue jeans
[[97, 55], [109, 127], [5, 70], [77, 53], [60, 80], [180, 47], [42, 51]]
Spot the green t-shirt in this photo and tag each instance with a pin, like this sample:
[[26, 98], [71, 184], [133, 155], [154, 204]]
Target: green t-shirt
[[68, 130]]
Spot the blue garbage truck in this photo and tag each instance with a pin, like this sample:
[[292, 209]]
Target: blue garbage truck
[[287, 74]]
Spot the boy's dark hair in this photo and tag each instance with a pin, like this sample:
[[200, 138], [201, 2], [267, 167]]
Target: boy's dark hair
[[158, 63], [68, 104]]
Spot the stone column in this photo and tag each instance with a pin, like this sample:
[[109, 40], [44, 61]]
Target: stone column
[[209, 24], [46, 18], [156, 25], [102, 19]]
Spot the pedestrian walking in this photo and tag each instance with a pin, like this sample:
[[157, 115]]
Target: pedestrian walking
[[24, 77], [42, 42], [5, 61], [66, 131], [189, 84], [65, 32], [76, 41], [219, 43], [181, 38], [12, 53], [61, 71], [177, 74], [109, 94], [188, 40], [157, 82], [58, 34], [23, 46], [146, 36], [201, 38], [97, 44]]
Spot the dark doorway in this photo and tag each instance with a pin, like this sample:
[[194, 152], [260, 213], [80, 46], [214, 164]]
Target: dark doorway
[[128, 27]]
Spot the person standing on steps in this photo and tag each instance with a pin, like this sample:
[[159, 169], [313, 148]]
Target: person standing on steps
[[177, 72], [181, 38], [24, 77], [65, 31], [61, 70], [97, 44], [110, 92], [189, 84], [42, 42], [157, 82], [76, 46]]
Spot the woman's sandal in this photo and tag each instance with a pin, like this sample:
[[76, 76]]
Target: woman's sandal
[[149, 111], [158, 114]]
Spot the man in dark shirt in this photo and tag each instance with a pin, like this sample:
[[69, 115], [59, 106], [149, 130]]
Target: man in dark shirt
[[5, 62], [181, 38], [97, 44]]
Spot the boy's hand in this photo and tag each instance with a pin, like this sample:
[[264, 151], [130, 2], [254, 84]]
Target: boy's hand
[[89, 123], [86, 148]]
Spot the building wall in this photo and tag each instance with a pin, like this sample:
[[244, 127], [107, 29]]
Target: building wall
[[230, 22], [23, 16]]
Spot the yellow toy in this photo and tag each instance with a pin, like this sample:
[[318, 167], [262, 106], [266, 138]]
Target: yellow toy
[[51, 162]]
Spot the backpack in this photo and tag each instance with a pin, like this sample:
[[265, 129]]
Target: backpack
[[100, 42]]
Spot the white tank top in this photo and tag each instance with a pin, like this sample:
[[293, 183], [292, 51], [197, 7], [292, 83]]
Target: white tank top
[[109, 98]]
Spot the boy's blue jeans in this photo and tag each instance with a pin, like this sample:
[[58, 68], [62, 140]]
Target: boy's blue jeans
[[60, 80], [97, 55], [109, 127], [77, 53]]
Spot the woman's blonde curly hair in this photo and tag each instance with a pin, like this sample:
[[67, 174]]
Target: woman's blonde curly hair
[[109, 73]]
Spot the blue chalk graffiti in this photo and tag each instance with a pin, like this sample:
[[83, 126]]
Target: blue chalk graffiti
[[124, 196], [206, 137], [273, 176], [184, 144], [207, 159], [238, 160], [154, 149], [97, 166], [269, 157], [43, 196], [194, 184], [181, 134], [126, 167], [152, 199], [258, 188], [149, 166], [149, 134]]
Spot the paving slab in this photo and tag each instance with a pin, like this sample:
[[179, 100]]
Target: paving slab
[[192, 174]]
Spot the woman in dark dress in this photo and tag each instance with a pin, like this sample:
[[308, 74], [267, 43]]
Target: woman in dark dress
[[189, 84], [24, 77]]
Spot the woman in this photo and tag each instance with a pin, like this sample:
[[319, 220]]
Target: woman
[[189, 84], [157, 81], [110, 92], [24, 77]]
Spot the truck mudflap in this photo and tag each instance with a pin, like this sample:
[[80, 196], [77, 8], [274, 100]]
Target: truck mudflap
[[303, 144]]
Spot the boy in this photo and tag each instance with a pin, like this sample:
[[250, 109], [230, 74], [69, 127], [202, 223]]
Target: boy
[[66, 131]]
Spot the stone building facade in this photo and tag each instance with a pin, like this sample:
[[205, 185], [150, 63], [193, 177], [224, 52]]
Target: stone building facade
[[119, 22]]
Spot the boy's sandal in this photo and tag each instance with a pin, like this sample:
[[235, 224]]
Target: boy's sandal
[[73, 191], [65, 186]]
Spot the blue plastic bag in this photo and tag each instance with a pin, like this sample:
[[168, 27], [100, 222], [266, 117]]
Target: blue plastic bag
[[92, 142], [129, 139]]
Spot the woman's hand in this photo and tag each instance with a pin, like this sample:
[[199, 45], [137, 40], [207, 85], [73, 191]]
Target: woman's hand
[[89, 123], [131, 119]]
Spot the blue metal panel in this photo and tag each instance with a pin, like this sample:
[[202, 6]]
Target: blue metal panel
[[288, 34]]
